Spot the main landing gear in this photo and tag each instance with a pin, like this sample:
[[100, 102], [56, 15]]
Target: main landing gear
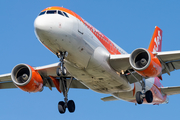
[[144, 94], [64, 87]]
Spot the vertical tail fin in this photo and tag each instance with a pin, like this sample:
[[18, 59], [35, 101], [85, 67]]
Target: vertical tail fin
[[156, 41]]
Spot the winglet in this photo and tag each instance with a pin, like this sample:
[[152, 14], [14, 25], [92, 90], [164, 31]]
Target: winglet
[[156, 41]]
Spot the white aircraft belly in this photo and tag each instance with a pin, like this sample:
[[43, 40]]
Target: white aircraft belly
[[99, 81], [98, 75], [87, 58]]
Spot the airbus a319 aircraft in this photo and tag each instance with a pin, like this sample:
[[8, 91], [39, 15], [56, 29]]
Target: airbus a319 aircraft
[[90, 60]]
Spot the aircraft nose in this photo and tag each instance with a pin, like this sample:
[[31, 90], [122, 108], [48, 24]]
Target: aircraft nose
[[41, 23]]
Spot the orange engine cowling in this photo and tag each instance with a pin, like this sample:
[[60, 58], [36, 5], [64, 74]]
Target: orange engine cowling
[[145, 63], [26, 78]]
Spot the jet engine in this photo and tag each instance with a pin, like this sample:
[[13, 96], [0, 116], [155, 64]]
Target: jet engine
[[26, 78], [145, 63]]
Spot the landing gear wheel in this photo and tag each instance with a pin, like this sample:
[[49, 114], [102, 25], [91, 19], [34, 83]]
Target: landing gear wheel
[[139, 98], [64, 71], [61, 71], [149, 96], [61, 107], [71, 106], [58, 72]]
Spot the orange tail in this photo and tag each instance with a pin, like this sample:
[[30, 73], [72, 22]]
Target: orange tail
[[156, 41]]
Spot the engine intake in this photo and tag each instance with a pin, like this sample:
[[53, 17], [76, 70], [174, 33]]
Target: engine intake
[[145, 63], [26, 78]]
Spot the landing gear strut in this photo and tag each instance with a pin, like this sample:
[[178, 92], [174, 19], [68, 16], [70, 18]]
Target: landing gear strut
[[64, 86], [144, 94], [61, 70]]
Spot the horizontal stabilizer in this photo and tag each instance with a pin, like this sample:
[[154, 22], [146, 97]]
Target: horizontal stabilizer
[[110, 98], [171, 90]]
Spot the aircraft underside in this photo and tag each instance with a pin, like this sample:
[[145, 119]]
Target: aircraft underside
[[87, 60]]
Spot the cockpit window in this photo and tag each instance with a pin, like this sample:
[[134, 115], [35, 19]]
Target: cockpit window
[[42, 13], [54, 12], [59, 12], [51, 12], [65, 14]]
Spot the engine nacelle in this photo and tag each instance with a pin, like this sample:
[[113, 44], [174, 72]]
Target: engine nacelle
[[145, 63], [26, 78]]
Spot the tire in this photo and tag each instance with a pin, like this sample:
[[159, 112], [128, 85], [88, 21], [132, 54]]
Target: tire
[[139, 99], [71, 106], [64, 71], [58, 72], [61, 107], [149, 96]]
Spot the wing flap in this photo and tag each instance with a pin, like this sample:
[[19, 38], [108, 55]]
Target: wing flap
[[176, 65], [109, 98], [74, 84], [171, 90], [77, 84], [7, 85], [170, 59]]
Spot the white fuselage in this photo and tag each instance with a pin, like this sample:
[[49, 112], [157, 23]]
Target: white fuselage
[[88, 59]]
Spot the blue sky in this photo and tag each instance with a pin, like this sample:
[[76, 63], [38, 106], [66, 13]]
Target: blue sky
[[130, 24]]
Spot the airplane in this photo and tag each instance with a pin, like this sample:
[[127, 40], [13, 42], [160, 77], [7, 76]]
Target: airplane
[[90, 60]]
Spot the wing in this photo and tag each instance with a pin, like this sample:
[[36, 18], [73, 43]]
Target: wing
[[6, 82], [171, 90], [45, 72], [120, 62], [169, 60]]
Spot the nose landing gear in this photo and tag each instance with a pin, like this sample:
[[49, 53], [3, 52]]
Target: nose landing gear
[[64, 87], [62, 105], [61, 70]]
